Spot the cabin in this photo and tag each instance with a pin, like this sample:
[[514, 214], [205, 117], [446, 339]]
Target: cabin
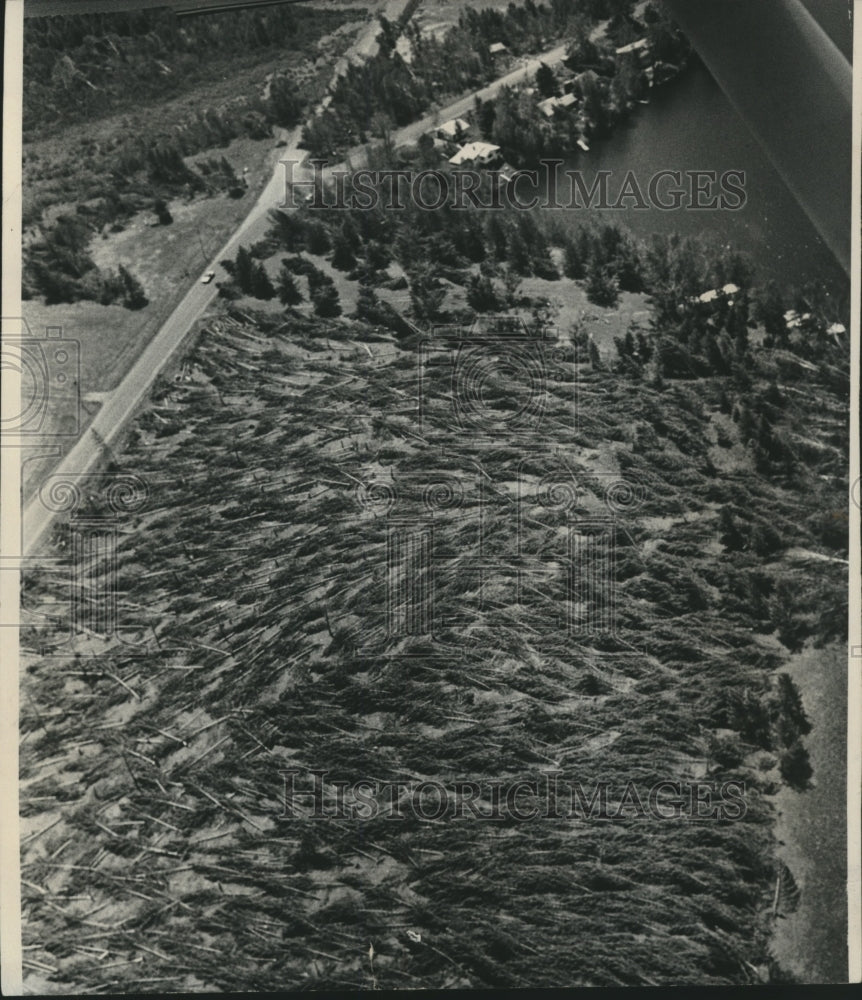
[[499, 53], [640, 48], [477, 154], [557, 105], [726, 291], [454, 130], [547, 107]]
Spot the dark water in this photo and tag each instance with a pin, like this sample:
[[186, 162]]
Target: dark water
[[690, 125]]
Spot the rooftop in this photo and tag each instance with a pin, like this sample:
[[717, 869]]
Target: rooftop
[[474, 151], [641, 43], [453, 126]]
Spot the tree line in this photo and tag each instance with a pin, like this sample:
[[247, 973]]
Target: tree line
[[81, 66]]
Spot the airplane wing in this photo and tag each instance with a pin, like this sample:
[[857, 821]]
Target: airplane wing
[[793, 87]]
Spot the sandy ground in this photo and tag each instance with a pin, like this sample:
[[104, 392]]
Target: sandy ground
[[811, 826]]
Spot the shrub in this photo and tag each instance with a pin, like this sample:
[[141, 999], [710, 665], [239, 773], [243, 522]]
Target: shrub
[[795, 767], [326, 301]]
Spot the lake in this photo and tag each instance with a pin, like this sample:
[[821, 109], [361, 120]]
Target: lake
[[690, 125]]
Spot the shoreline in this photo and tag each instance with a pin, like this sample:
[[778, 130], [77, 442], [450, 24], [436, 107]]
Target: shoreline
[[810, 827]]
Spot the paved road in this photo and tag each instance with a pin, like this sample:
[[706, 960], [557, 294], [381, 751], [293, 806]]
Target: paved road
[[132, 391], [124, 400], [411, 133]]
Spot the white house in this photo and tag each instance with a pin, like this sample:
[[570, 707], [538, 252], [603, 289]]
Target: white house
[[453, 130], [548, 107], [552, 105], [498, 49], [476, 153], [641, 47], [725, 291]]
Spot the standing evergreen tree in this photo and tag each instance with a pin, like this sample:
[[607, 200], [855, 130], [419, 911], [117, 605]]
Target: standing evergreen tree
[[485, 115], [163, 212], [602, 286], [546, 82], [317, 239], [574, 265], [134, 292], [343, 258], [325, 299], [261, 286], [426, 296], [288, 290], [244, 270]]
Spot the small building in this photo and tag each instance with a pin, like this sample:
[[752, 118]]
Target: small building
[[548, 107], [507, 173], [476, 154], [498, 49], [794, 321], [454, 130], [640, 47], [726, 291], [557, 105]]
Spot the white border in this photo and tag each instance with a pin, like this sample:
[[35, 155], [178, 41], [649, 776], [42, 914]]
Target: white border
[[11, 981], [854, 603]]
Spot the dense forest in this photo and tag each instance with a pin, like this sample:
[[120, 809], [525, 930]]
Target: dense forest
[[82, 68], [79, 67]]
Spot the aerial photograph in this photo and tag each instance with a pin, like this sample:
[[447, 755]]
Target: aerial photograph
[[434, 448]]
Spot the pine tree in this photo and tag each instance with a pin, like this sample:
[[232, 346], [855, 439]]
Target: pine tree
[[481, 296], [343, 258], [326, 301], [426, 296], [546, 81], [602, 286], [134, 295], [244, 270], [367, 304], [795, 767], [574, 266], [288, 290], [317, 239], [261, 286], [163, 212]]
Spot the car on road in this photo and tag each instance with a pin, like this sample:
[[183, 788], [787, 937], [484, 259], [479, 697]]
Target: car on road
[[208, 277]]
